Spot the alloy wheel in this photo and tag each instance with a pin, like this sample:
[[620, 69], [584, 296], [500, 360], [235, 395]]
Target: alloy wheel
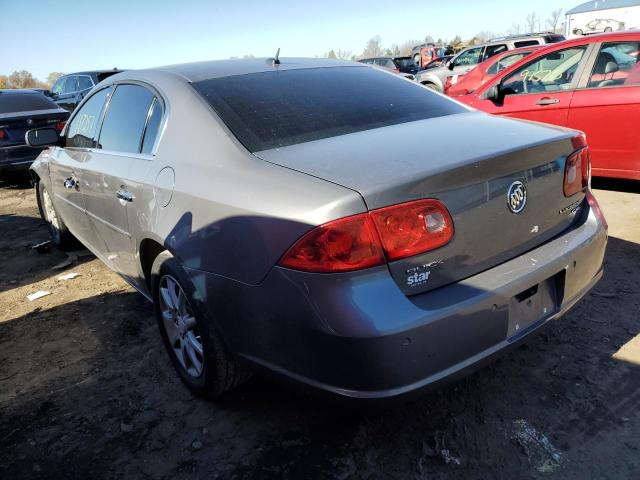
[[180, 326], [49, 211]]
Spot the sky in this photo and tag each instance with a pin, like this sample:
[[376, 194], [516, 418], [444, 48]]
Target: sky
[[44, 36]]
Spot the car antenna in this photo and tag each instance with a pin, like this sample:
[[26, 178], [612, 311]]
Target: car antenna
[[276, 60]]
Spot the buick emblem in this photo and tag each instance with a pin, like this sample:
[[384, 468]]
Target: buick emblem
[[517, 197]]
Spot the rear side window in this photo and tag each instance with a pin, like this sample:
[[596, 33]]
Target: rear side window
[[84, 124], [84, 83], [125, 119], [526, 43], [24, 102], [617, 64], [492, 50], [275, 109], [153, 125]]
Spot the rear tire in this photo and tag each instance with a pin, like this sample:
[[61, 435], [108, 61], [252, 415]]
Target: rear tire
[[197, 351], [60, 235]]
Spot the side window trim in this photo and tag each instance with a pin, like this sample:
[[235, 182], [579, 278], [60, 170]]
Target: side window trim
[[577, 78], [156, 98]]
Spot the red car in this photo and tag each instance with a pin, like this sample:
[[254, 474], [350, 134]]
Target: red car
[[464, 84], [590, 84]]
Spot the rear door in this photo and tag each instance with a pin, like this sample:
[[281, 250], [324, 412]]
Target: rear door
[[114, 172], [66, 165], [607, 108], [540, 90]]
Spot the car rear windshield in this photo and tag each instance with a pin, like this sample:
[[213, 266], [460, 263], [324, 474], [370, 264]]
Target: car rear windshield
[[24, 102], [279, 108]]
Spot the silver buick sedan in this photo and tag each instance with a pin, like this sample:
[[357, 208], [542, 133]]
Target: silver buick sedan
[[279, 217]]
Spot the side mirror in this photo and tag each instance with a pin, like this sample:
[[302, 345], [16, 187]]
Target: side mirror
[[450, 65], [493, 93], [42, 137], [47, 93]]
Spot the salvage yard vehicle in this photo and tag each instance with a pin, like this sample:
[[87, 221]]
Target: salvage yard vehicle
[[395, 64], [464, 84], [278, 216], [468, 58], [589, 83], [22, 110], [70, 89]]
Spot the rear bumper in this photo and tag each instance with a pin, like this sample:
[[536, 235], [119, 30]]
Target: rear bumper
[[19, 157], [357, 335]]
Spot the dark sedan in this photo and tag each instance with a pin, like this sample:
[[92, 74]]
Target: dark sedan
[[21, 110], [70, 89]]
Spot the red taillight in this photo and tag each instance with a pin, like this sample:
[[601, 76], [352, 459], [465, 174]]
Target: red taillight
[[593, 203], [350, 243], [59, 126], [2, 134], [363, 240], [577, 170], [414, 227]]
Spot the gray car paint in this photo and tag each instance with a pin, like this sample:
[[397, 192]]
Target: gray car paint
[[231, 215]]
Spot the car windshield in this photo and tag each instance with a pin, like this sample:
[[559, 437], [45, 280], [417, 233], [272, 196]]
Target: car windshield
[[405, 62], [279, 108], [24, 102]]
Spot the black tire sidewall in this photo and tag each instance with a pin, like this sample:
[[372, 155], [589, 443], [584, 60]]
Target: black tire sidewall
[[166, 264]]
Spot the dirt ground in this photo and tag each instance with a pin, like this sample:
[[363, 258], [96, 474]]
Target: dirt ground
[[87, 391]]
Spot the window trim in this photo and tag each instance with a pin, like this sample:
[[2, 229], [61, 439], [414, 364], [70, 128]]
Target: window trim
[[583, 84], [156, 96], [75, 114]]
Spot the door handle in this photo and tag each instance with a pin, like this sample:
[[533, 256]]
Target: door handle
[[124, 195], [547, 101], [69, 183]]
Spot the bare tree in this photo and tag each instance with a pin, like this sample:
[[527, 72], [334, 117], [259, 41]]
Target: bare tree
[[554, 19], [532, 21], [429, 39], [373, 48], [483, 36], [514, 29], [456, 42], [331, 54], [406, 47], [52, 77], [22, 79], [344, 54]]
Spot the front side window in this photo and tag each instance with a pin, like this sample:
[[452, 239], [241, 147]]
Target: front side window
[[468, 57], [125, 119], [58, 86], [275, 109], [505, 62], [550, 73], [83, 126], [617, 64]]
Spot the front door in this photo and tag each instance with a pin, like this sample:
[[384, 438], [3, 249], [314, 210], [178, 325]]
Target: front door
[[66, 166], [607, 109], [540, 90]]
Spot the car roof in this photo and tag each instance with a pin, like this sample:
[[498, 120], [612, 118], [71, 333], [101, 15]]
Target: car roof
[[23, 91], [633, 35], [197, 71], [93, 72]]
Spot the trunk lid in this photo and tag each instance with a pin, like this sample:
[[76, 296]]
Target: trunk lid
[[17, 124], [468, 161]]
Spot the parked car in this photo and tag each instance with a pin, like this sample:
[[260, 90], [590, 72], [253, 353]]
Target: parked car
[[587, 83], [437, 62], [463, 84], [279, 217], [468, 58], [395, 64], [22, 110], [427, 52], [599, 25], [70, 89]]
